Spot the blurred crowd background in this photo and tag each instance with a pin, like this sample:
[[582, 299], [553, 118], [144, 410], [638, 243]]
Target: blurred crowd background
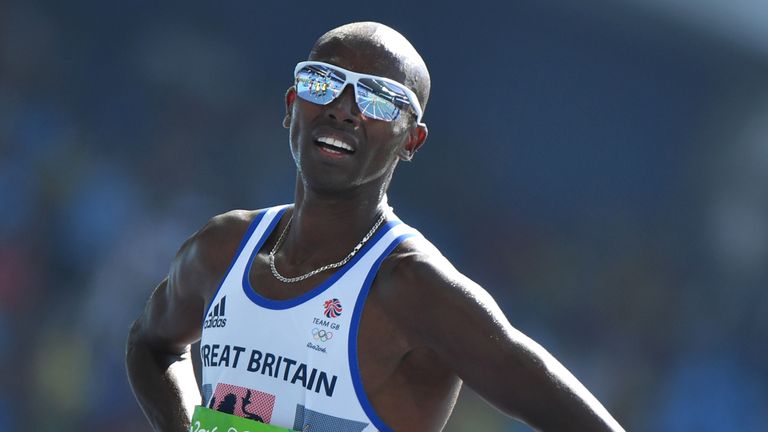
[[600, 167]]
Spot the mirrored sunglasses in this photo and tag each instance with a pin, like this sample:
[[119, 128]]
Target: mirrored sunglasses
[[377, 97]]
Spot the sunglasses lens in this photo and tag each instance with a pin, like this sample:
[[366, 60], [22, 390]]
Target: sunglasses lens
[[379, 99], [319, 84], [376, 98]]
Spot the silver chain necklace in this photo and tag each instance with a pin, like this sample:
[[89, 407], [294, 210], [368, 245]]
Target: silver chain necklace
[[346, 259]]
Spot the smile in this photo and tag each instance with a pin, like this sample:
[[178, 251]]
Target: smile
[[334, 145]]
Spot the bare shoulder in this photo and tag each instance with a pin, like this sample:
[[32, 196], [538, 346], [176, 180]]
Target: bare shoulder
[[417, 271], [418, 266], [205, 256], [171, 319], [222, 233]]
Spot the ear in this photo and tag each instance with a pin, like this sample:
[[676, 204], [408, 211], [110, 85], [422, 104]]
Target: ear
[[416, 139], [290, 97]]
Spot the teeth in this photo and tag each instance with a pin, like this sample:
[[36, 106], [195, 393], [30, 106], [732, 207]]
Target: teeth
[[335, 143]]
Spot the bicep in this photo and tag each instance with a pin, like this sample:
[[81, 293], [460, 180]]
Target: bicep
[[462, 324], [172, 317], [510, 370], [474, 338]]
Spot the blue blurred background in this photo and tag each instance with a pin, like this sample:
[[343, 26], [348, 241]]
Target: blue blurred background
[[601, 167]]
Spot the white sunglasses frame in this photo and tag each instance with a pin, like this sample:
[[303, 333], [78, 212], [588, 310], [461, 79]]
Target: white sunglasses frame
[[354, 77]]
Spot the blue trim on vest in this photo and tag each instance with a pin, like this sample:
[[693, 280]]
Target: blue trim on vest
[[354, 367], [248, 233], [314, 292]]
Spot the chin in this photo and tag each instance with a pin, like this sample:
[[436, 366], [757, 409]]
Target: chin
[[326, 183]]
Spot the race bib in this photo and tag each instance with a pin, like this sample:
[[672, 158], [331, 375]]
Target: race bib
[[208, 420]]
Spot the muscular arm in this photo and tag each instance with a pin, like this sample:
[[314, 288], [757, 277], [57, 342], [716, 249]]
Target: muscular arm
[[159, 364], [470, 334], [158, 347]]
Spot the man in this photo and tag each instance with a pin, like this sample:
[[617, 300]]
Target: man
[[331, 314]]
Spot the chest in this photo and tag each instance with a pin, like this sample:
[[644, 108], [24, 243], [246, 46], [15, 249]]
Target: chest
[[379, 338]]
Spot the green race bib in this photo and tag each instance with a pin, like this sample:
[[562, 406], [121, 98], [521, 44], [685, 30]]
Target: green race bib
[[208, 420]]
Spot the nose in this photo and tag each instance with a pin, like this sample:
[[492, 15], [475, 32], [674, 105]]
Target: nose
[[344, 108]]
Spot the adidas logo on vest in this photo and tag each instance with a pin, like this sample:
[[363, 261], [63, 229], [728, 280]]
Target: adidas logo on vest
[[215, 318]]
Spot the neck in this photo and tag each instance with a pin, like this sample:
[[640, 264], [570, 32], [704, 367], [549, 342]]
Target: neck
[[325, 227]]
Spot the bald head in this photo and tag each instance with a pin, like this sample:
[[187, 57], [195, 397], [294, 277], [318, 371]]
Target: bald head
[[374, 48]]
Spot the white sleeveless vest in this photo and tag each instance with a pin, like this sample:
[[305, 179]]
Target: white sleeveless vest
[[292, 363]]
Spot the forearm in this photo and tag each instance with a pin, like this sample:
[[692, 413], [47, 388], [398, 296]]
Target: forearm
[[552, 399], [164, 384]]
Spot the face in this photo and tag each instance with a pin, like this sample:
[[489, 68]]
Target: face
[[372, 147]]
